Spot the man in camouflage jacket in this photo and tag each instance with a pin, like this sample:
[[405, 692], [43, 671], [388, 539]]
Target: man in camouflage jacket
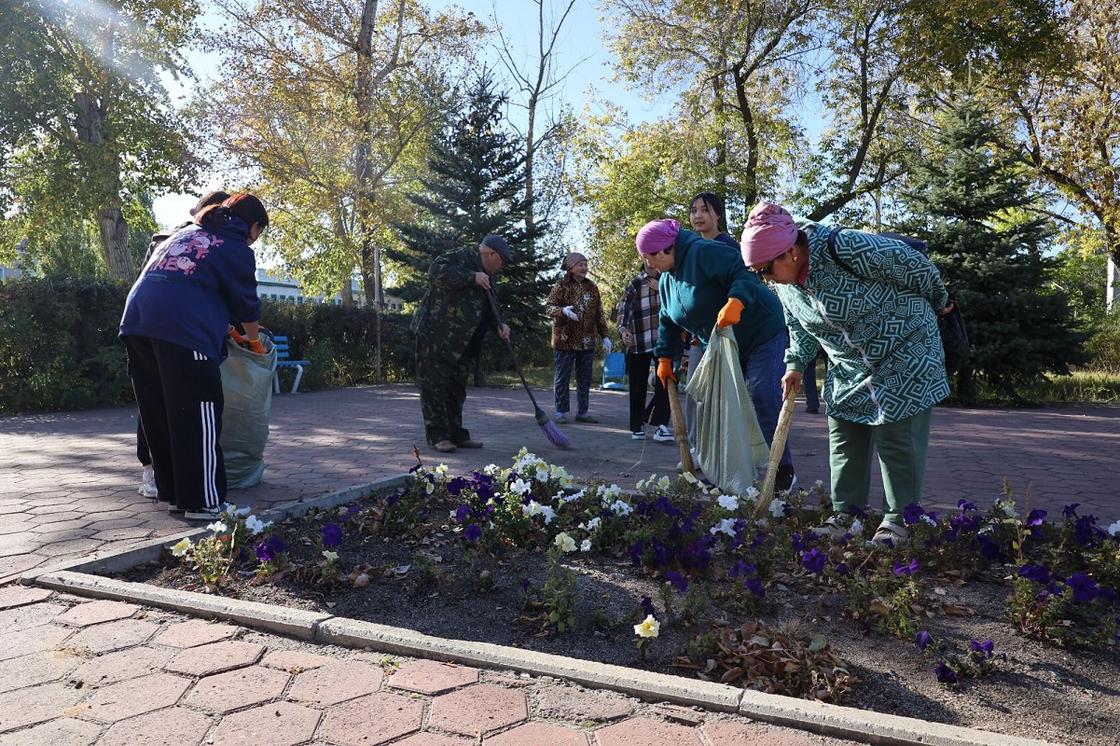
[[450, 323]]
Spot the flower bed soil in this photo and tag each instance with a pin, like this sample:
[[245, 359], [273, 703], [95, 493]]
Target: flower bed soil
[[429, 585]]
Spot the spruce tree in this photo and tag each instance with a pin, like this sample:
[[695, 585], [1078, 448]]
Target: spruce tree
[[476, 186], [972, 203]]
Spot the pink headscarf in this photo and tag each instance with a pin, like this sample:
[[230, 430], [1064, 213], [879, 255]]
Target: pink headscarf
[[657, 235], [770, 232]]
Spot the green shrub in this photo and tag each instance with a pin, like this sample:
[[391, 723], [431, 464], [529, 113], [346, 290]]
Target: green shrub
[[1104, 345]]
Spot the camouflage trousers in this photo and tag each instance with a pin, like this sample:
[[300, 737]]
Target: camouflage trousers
[[443, 389]]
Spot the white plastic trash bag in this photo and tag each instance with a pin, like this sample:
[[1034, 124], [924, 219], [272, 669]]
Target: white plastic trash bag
[[247, 389], [730, 447]]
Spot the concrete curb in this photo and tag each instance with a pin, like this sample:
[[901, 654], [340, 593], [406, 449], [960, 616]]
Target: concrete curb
[[655, 686], [829, 720]]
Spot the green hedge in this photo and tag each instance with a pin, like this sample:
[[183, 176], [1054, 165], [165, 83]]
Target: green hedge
[[59, 348]]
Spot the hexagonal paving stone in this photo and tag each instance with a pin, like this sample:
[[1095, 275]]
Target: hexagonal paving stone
[[195, 632], [647, 732], [96, 612], [570, 703], [171, 727], [12, 596], [36, 668], [32, 640], [276, 724], [432, 677], [123, 633], [478, 709], [336, 682], [26, 617], [215, 658], [120, 666], [433, 739], [294, 661], [35, 704], [730, 733], [135, 696], [372, 720], [226, 692], [63, 731], [550, 733]]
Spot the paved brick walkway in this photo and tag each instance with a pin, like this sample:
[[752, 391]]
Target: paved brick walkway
[[76, 672], [68, 481]]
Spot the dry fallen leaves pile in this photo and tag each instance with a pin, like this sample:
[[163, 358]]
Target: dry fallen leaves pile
[[758, 657]]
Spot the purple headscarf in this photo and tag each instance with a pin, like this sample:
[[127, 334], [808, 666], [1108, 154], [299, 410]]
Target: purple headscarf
[[657, 235]]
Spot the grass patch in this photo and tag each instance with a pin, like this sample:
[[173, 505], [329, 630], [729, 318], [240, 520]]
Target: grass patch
[[1084, 386]]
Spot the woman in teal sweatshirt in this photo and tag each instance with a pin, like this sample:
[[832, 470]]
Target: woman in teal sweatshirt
[[705, 284]]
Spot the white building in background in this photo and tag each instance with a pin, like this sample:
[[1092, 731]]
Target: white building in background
[[275, 286]]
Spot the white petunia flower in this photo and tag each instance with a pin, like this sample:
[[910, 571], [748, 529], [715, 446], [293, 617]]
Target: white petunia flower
[[181, 547], [232, 510], [649, 627], [541, 473], [525, 461], [1114, 529], [442, 471], [621, 508], [752, 493], [593, 525], [573, 497], [664, 483], [818, 484], [585, 545], [926, 517], [256, 525], [491, 470], [217, 527], [613, 491], [728, 502], [330, 556], [690, 478], [857, 527], [726, 526], [565, 542], [521, 487], [777, 508], [548, 513]]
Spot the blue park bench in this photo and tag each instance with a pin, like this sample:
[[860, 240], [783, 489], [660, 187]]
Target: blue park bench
[[284, 360]]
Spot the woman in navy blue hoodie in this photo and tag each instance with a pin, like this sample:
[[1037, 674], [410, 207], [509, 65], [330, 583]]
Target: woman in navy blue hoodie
[[174, 326]]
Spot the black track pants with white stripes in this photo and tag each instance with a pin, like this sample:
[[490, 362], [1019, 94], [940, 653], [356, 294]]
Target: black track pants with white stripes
[[179, 394]]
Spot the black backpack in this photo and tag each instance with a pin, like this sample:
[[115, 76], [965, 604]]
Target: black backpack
[[954, 338]]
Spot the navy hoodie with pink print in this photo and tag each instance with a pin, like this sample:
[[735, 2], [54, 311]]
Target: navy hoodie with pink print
[[192, 286]]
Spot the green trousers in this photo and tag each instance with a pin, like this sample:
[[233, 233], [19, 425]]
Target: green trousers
[[901, 447]]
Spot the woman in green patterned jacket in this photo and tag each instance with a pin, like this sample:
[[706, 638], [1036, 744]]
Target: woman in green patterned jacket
[[876, 320]]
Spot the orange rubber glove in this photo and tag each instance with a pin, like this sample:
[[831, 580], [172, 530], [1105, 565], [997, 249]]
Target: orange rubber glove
[[730, 314], [256, 345], [665, 371], [237, 337]]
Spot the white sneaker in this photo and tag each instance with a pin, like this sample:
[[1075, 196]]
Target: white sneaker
[[638, 435], [663, 434], [147, 486], [202, 515]]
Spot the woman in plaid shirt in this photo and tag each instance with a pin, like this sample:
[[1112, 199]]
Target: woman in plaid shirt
[[637, 325]]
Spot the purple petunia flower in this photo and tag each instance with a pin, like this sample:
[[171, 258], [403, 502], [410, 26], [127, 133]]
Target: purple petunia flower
[[1038, 573], [945, 674], [842, 568], [965, 505], [909, 568], [814, 560], [1070, 511], [1035, 517], [472, 533], [912, 513], [989, 548], [462, 513], [678, 580], [332, 535], [986, 647], [923, 639], [647, 606], [457, 485], [756, 586], [269, 549], [743, 569], [1085, 589]]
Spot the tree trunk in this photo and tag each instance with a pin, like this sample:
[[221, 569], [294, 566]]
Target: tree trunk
[[113, 230], [363, 172]]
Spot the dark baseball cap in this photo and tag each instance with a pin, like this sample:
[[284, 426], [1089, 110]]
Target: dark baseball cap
[[498, 244], [210, 198]]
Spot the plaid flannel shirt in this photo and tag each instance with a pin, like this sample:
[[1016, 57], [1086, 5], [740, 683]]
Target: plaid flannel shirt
[[638, 311]]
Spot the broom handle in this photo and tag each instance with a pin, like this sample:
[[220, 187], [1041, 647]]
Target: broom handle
[[512, 354], [680, 431], [781, 432]]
